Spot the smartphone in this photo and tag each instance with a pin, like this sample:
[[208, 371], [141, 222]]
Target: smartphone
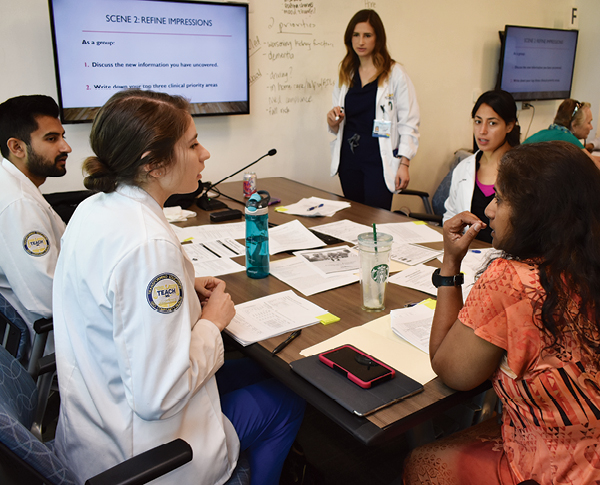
[[362, 369], [226, 215]]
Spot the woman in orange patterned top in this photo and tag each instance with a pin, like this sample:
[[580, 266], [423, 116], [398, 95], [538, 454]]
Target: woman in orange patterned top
[[531, 324]]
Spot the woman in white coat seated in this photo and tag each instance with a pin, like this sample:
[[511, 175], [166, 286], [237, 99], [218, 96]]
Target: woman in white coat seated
[[138, 337], [496, 130]]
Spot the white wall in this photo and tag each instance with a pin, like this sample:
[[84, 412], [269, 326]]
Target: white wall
[[449, 48]]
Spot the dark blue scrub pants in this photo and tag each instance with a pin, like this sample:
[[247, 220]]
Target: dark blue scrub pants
[[265, 414]]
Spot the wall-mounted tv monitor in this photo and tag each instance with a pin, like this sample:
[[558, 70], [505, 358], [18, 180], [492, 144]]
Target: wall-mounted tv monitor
[[195, 49], [537, 63]]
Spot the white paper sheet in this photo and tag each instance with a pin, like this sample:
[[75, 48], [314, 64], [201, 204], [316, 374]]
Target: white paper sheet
[[331, 261], [345, 230], [216, 267], [410, 232], [292, 236], [413, 254], [211, 232], [413, 324], [417, 277], [314, 207], [300, 276], [272, 315]]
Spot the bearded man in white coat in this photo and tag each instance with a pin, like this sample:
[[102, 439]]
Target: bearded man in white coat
[[33, 146]]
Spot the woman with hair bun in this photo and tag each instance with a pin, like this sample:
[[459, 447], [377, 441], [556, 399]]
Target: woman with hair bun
[[375, 116], [495, 130], [138, 337]]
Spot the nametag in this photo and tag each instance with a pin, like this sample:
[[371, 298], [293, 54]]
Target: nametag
[[381, 128]]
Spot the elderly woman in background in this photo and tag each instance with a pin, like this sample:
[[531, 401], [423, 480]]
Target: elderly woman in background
[[573, 122]]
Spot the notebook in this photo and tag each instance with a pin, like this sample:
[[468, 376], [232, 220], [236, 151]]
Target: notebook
[[352, 397]]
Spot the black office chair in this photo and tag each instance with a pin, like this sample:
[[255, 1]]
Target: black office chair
[[36, 462], [434, 210], [65, 203], [16, 340]]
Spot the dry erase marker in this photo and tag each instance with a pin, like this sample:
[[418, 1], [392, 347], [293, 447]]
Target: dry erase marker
[[338, 116]]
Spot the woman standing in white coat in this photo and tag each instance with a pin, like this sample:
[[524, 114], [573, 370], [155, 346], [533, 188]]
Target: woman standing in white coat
[[138, 337], [495, 130], [375, 116]]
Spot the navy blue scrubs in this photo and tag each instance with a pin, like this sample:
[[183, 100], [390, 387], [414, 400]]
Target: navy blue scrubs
[[361, 167]]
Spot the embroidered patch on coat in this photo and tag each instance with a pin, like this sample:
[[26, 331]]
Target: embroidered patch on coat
[[36, 244], [165, 293]]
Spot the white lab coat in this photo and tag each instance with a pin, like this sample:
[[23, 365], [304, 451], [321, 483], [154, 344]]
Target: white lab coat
[[462, 187], [30, 235], [396, 102], [135, 369]]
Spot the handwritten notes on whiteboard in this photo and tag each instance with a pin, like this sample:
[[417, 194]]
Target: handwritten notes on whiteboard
[[294, 54]]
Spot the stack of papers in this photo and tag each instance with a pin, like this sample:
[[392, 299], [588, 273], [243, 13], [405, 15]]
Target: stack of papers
[[213, 258], [314, 207], [211, 247], [272, 315], [413, 324]]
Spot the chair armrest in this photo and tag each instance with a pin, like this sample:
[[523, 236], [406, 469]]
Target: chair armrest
[[45, 364], [43, 325], [146, 466], [427, 217], [418, 193], [423, 195]]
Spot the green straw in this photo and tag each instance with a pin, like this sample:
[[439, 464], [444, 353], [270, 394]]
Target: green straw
[[375, 236]]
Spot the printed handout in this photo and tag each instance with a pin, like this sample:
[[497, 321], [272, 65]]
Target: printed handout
[[331, 261]]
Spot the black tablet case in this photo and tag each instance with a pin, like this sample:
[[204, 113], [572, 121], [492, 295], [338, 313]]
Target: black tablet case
[[352, 397]]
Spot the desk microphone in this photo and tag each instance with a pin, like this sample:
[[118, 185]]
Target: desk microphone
[[208, 204]]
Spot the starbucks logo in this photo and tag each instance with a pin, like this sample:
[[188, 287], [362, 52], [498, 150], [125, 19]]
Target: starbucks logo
[[380, 273]]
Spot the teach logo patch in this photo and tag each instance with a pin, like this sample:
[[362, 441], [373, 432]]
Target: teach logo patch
[[165, 293], [36, 244]]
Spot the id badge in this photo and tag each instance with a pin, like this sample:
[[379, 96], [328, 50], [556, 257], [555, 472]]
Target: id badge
[[382, 129]]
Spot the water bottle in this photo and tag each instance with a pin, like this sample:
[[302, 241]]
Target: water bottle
[[257, 235]]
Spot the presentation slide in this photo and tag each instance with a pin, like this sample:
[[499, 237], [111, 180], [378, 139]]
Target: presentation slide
[[538, 60], [195, 50]]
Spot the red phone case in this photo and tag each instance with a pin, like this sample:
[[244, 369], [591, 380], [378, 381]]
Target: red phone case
[[364, 384]]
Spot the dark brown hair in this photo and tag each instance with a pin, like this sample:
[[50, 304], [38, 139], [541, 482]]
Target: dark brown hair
[[504, 105], [381, 57], [133, 129], [18, 118], [552, 191]]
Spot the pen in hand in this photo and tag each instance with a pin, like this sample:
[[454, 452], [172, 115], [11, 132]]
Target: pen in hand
[[285, 343]]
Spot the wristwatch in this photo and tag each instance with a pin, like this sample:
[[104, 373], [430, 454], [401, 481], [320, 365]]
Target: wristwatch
[[438, 280]]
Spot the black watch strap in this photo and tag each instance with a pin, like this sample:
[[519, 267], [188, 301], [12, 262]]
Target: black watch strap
[[439, 280]]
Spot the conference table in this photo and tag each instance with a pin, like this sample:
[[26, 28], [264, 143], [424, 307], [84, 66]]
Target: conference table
[[345, 303]]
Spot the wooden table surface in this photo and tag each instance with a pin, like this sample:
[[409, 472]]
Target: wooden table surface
[[343, 302]]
